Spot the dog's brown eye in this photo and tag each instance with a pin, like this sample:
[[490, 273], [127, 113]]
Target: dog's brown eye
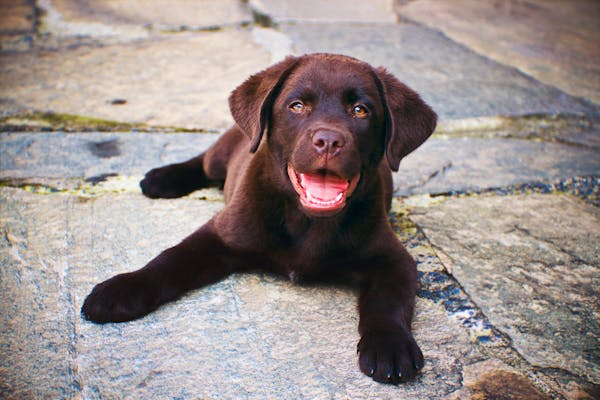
[[360, 111], [297, 107]]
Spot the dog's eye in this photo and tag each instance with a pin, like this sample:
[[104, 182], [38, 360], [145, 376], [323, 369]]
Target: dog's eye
[[360, 111], [297, 107]]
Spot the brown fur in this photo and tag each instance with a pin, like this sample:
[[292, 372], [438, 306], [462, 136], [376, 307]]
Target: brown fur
[[265, 226]]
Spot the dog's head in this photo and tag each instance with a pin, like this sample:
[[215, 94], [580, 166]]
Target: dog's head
[[329, 121]]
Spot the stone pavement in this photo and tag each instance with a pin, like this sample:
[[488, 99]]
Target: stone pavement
[[500, 207]]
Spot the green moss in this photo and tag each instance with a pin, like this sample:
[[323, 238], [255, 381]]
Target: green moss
[[96, 186], [49, 122], [543, 127], [403, 226], [64, 122]]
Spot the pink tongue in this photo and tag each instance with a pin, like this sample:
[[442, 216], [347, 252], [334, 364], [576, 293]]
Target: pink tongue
[[323, 187]]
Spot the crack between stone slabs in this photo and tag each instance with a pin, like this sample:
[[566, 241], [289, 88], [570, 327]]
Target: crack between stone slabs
[[588, 103], [545, 127], [471, 317], [443, 288], [586, 188], [540, 376], [95, 186]]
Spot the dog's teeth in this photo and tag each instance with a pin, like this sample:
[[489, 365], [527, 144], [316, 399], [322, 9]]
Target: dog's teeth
[[321, 202]]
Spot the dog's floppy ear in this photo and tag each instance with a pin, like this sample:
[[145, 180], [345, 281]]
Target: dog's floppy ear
[[251, 102], [408, 120]]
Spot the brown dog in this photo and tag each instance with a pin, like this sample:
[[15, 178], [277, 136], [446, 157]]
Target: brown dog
[[306, 173]]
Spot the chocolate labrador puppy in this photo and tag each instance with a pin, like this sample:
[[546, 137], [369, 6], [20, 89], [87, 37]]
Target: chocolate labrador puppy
[[306, 172]]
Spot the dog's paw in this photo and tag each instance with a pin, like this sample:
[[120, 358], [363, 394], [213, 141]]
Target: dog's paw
[[389, 357], [118, 299], [169, 182]]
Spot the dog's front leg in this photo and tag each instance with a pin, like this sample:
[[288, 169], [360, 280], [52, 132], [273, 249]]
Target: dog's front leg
[[387, 350], [199, 260]]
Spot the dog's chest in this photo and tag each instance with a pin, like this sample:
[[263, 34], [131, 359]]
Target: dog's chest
[[314, 251]]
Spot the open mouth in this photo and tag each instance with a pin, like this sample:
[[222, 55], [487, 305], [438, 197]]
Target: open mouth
[[322, 193]]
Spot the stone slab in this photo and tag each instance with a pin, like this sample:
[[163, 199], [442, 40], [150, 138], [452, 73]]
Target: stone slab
[[555, 42], [531, 262], [493, 379], [465, 164], [77, 155], [457, 82], [250, 336], [35, 312], [439, 166], [330, 11], [179, 80], [63, 17]]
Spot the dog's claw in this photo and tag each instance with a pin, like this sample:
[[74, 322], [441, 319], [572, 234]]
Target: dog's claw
[[387, 357]]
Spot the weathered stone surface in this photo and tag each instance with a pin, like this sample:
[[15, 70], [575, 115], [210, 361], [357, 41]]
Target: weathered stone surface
[[494, 379], [555, 42], [17, 24], [528, 264], [531, 262], [175, 80], [439, 166], [16, 16], [37, 358], [330, 11], [459, 164], [185, 79], [578, 130], [457, 82], [68, 15], [65, 155], [250, 336]]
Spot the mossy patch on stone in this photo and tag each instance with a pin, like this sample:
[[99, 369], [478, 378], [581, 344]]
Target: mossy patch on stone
[[584, 187], [50, 122], [561, 127], [96, 186]]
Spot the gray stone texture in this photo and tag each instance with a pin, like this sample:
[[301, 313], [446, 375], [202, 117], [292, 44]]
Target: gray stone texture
[[439, 166], [507, 306], [76, 155], [374, 11], [250, 336], [531, 262], [82, 72], [158, 14], [555, 42], [182, 80], [462, 164], [457, 82]]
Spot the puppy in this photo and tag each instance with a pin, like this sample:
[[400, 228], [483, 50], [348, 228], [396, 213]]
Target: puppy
[[306, 173]]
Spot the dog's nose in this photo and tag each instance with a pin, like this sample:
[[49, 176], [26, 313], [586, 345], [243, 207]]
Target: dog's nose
[[328, 142]]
